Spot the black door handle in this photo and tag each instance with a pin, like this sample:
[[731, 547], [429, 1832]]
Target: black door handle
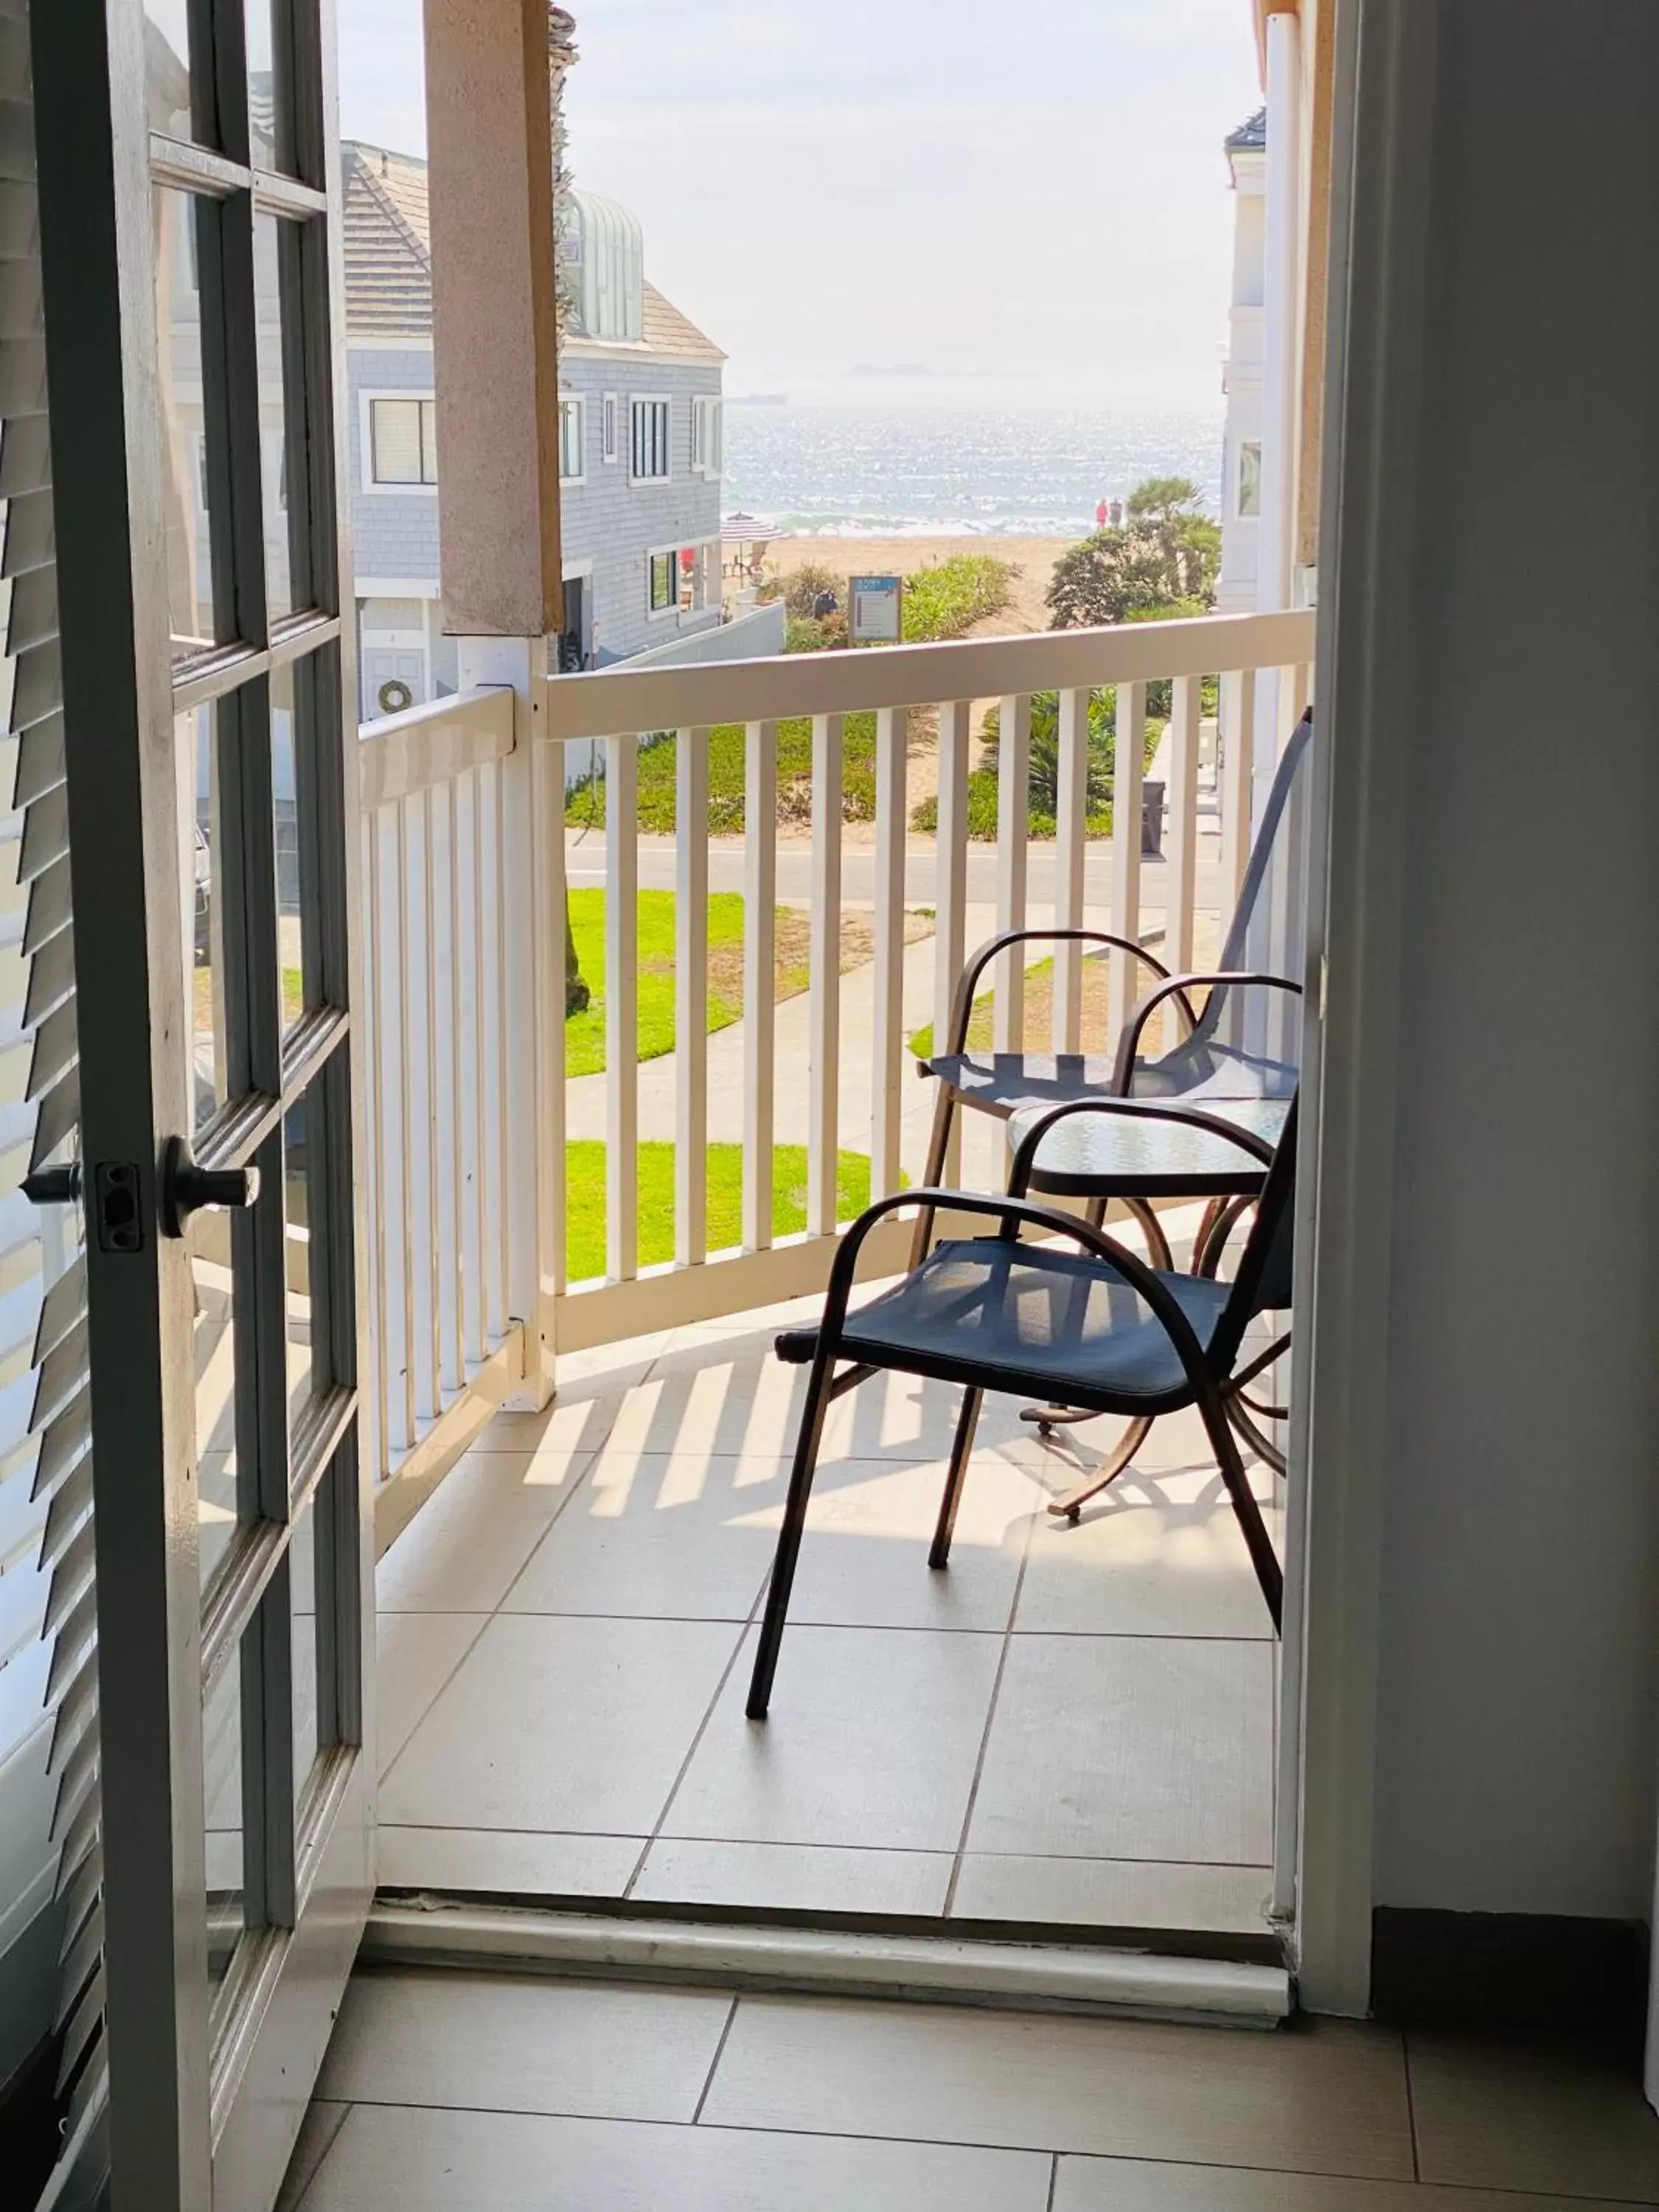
[[185, 1187]]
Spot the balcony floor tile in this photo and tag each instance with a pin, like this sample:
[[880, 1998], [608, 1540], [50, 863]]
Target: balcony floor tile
[[559, 1723], [794, 1877], [874, 1739], [1130, 1746]]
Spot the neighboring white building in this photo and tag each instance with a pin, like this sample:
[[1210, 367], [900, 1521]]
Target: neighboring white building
[[1240, 468]]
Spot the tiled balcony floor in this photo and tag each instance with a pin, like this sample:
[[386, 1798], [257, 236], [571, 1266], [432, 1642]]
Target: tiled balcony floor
[[496, 2094], [1072, 1725]]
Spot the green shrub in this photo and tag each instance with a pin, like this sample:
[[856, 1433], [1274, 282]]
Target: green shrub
[[945, 601], [802, 588], [585, 806]]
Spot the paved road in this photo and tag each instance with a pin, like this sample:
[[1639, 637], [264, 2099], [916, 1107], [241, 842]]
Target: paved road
[[584, 861]]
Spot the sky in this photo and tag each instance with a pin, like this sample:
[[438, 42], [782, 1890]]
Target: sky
[[1020, 200]]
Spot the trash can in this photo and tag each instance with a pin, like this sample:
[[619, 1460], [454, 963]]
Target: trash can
[[1152, 819]]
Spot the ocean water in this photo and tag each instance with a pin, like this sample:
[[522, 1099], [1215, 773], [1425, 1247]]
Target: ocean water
[[917, 468]]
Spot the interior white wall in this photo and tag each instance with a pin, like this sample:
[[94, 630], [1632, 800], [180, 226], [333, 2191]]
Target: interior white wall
[[1520, 1605]]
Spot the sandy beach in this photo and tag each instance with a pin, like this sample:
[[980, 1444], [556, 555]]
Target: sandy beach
[[1033, 557]]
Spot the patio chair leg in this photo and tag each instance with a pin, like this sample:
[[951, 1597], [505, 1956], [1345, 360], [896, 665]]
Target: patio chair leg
[[789, 1536], [1259, 1544], [960, 1445], [1070, 1503], [938, 1142]]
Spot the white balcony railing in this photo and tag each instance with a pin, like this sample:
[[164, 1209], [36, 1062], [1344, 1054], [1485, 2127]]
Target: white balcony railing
[[456, 1106]]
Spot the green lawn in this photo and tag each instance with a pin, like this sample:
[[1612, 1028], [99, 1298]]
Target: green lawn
[[585, 1182], [584, 1033]]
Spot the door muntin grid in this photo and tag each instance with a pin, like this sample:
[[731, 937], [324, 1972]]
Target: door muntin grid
[[242, 244]]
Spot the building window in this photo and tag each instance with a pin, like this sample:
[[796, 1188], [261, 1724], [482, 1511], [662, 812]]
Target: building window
[[1249, 478], [664, 582], [708, 436], [402, 442], [608, 427], [648, 461], [573, 433]]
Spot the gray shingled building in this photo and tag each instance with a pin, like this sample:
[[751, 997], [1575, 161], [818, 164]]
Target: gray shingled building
[[640, 431]]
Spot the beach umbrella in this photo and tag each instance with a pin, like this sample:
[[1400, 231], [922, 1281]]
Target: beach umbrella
[[749, 530]]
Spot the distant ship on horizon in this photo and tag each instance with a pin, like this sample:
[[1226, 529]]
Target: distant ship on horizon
[[757, 399]]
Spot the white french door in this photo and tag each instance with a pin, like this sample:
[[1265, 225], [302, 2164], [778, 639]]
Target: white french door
[[190, 234]]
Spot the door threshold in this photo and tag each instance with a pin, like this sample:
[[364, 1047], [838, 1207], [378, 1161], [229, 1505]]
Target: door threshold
[[433, 1929]]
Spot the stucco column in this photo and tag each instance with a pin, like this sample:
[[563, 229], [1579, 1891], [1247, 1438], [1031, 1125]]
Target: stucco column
[[494, 316]]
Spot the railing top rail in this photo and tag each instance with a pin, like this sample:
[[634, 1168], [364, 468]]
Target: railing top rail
[[619, 701], [405, 753]]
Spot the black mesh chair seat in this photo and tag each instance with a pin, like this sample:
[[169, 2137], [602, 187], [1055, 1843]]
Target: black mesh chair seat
[[1076, 1314], [1016, 1316]]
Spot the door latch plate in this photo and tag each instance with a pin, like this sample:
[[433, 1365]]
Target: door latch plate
[[115, 1205]]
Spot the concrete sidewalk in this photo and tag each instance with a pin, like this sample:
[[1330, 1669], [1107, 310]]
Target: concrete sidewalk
[[585, 1096]]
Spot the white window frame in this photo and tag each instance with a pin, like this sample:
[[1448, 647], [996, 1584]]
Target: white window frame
[[366, 421], [665, 400], [578, 401], [659, 553], [610, 427], [708, 435], [1247, 513]]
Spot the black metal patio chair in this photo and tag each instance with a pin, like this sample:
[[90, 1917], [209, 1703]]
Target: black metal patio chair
[[1227, 1049], [1092, 1326]]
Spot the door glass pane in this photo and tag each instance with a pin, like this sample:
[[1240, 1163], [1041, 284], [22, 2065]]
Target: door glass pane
[[261, 87], [304, 1567], [184, 232], [291, 951], [302, 1137], [166, 66], [222, 1767], [217, 1504], [205, 872], [277, 301]]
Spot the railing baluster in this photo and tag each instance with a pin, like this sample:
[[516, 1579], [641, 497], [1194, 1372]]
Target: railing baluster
[[469, 1032], [691, 997], [554, 1195], [1129, 772], [451, 1064], [824, 1003], [1070, 832], [1013, 785], [1238, 783], [892, 733], [377, 973], [1183, 877], [441, 1032], [622, 1020], [760, 903], [951, 888], [501, 1121], [405, 1147], [492, 1097]]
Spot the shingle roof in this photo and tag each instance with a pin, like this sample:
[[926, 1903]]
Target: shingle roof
[[388, 244], [388, 262], [1250, 138]]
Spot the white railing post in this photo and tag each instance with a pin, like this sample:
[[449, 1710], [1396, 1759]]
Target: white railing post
[[1128, 777], [528, 949], [622, 1007], [760, 906], [1013, 839], [690, 997], [823, 987], [1070, 832], [951, 892], [892, 725], [1238, 783], [1182, 878]]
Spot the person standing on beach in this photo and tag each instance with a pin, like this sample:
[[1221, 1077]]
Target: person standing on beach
[[1101, 513]]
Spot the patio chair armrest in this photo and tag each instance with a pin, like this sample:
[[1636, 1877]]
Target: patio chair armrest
[[962, 1008], [1133, 1270], [1134, 1028], [1146, 1109]]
